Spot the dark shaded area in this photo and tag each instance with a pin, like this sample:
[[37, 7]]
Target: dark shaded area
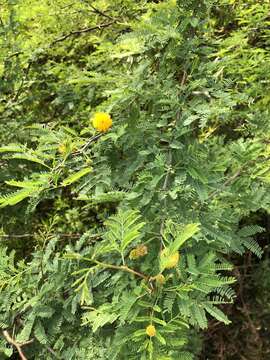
[[247, 337]]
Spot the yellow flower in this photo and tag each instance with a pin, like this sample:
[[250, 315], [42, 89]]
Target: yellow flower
[[150, 330], [169, 261], [139, 251], [62, 149], [102, 121]]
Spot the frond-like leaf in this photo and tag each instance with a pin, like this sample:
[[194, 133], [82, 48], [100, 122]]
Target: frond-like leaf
[[16, 197], [183, 235], [123, 229], [76, 176]]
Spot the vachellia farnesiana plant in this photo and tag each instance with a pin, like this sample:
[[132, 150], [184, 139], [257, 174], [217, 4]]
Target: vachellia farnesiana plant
[[178, 145]]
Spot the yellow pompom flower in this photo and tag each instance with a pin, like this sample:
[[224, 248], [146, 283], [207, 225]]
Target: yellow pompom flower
[[169, 260], [62, 149], [102, 121], [173, 260], [150, 330], [139, 251]]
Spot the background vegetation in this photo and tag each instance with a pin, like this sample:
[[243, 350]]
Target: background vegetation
[[153, 222]]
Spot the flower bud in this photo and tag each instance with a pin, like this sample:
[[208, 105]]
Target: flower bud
[[160, 279]]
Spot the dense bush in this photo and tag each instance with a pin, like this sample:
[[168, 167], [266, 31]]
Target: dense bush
[[123, 231]]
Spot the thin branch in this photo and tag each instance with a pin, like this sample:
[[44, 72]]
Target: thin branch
[[52, 352], [100, 12], [86, 145], [123, 268], [236, 175], [17, 53], [68, 5], [81, 31], [32, 235], [230, 180], [245, 309], [19, 345], [167, 177], [15, 344], [164, 188], [18, 92], [117, 267], [63, 237], [184, 78], [134, 272]]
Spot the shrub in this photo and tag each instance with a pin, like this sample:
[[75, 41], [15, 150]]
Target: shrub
[[158, 194]]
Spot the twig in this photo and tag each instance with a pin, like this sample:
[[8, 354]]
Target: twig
[[6, 237], [117, 267], [18, 92], [239, 172], [81, 31], [184, 78], [85, 146], [100, 12], [68, 5], [16, 344], [164, 188], [32, 235], [122, 267], [52, 352], [245, 308], [17, 53], [227, 182]]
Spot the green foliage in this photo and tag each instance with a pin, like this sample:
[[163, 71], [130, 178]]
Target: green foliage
[[37, 296], [186, 160]]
